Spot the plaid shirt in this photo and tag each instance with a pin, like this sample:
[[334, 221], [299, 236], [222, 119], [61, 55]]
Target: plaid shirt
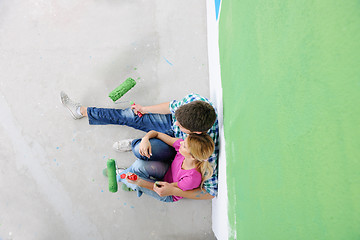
[[210, 185]]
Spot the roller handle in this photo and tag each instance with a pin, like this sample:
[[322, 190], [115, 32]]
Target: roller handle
[[132, 177], [138, 113]]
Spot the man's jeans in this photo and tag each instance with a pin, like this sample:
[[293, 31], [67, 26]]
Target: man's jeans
[[103, 116], [158, 122]]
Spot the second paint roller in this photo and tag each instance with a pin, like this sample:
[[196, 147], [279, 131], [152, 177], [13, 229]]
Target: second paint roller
[[111, 173], [122, 89]]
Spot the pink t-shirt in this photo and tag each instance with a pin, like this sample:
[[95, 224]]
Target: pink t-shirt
[[186, 179]]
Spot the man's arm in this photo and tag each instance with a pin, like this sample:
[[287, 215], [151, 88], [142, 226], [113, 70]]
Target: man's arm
[[162, 108], [167, 189]]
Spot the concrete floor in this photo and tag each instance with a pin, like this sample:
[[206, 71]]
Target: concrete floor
[[50, 165]]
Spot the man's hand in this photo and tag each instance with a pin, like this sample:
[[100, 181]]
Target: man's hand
[[163, 188], [138, 108], [171, 189]]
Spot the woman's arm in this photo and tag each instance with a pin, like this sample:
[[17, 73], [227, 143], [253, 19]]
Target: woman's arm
[[145, 146], [144, 183], [140, 182]]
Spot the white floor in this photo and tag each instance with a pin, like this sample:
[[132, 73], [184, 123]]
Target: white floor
[[50, 165]]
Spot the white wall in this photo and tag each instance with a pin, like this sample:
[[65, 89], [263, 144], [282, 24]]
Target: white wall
[[220, 220]]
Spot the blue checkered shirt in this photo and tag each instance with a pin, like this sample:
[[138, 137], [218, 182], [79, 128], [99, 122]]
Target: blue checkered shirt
[[210, 185]]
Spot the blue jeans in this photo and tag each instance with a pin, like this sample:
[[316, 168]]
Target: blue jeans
[[158, 122], [161, 152], [103, 116], [151, 171]]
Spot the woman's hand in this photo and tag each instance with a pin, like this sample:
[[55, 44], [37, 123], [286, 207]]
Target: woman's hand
[[163, 189], [145, 147], [131, 179]]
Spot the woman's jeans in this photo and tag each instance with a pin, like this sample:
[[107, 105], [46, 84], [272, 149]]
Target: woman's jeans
[[150, 171]]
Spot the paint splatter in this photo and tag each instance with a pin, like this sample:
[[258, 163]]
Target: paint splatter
[[168, 62], [217, 8], [57, 148], [102, 190], [57, 164], [135, 69], [132, 207]]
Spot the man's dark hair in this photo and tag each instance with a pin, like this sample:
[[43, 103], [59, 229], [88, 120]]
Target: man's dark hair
[[196, 116]]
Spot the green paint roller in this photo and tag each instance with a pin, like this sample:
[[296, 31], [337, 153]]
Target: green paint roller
[[111, 172], [122, 89]]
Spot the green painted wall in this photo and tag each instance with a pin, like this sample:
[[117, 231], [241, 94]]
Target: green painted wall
[[291, 86]]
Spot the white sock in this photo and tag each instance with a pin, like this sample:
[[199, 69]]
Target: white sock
[[78, 110]]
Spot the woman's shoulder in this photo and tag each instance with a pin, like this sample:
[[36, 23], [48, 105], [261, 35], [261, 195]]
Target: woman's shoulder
[[190, 179], [193, 173], [176, 144]]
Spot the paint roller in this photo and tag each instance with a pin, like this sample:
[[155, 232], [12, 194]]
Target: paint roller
[[122, 89], [111, 172]]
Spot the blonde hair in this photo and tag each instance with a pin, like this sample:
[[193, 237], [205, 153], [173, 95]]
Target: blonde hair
[[201, 147]]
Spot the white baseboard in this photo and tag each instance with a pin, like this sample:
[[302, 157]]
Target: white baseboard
[[220, 221]]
